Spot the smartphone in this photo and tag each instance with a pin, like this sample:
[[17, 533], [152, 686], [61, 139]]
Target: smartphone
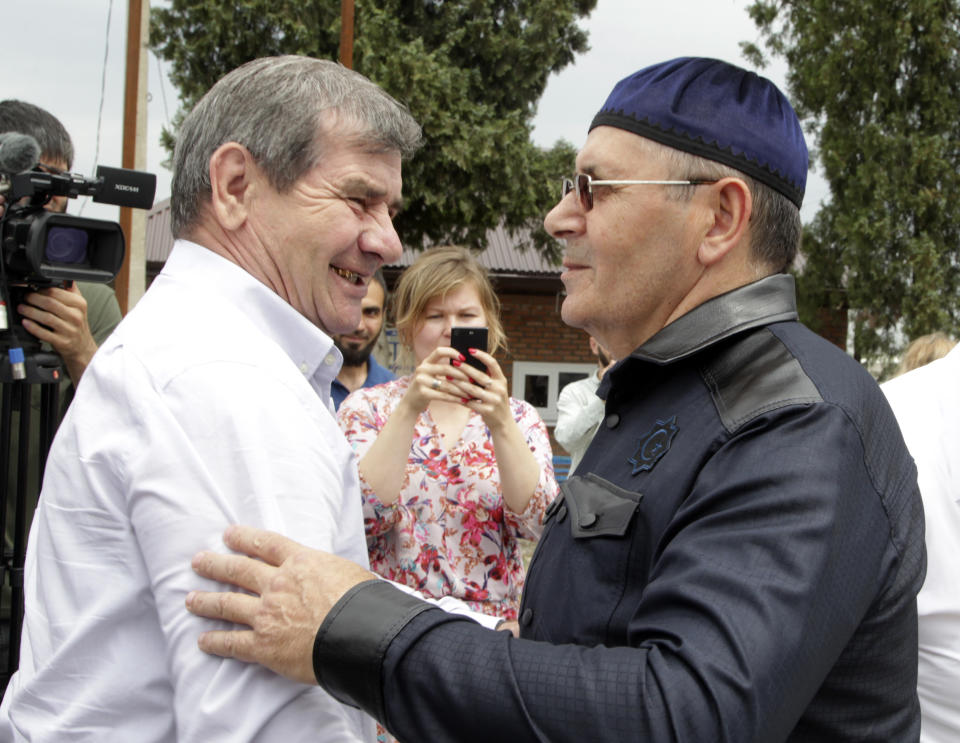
[[463, 339]]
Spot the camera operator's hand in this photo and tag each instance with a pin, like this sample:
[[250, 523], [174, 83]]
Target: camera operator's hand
[[59, 317]]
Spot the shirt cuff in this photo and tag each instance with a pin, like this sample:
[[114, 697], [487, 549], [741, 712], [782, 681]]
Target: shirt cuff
[[350, 645]]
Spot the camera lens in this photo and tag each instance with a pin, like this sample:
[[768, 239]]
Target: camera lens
[[66, 245]]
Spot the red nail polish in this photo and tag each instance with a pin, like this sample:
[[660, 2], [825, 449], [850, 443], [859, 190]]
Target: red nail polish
[[461, 357], [473, 351], [464, 400], [456, 362]]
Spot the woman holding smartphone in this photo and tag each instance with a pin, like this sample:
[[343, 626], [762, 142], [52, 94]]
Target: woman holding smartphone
[[452, 469]]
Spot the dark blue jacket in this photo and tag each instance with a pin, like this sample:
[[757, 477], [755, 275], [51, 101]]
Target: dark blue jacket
[[736, 559]]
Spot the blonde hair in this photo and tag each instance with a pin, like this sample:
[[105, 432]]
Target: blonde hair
[[434, 273], [925, 349]]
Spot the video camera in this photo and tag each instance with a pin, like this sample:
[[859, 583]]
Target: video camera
[[42, 248]]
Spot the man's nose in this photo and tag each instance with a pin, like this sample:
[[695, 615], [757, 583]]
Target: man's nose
[[381, 238], [566, 219]]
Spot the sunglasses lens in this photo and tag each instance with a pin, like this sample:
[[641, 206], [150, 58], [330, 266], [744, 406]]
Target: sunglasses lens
[[566, 187], [584, 192]]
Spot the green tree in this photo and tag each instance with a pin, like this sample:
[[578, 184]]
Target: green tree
[[877, 83], [471, 72]]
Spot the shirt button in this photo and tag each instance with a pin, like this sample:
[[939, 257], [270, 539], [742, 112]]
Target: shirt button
[[561, 513], [330, 360], [588, 519], [613, 420], [526, 618], [304, 368]]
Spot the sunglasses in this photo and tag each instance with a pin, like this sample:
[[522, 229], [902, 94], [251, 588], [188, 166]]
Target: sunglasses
[[583, 184]]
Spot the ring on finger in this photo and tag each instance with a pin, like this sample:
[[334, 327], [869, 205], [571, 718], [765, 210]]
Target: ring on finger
[[436, 384]]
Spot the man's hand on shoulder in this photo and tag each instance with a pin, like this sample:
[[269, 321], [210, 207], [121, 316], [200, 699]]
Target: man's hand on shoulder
[[295, 588], [59, 317]]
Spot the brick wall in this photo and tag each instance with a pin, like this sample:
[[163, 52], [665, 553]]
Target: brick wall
[[535, 332]]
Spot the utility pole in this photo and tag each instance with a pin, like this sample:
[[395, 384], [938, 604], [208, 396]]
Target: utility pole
[[346, 33], [132, 280]]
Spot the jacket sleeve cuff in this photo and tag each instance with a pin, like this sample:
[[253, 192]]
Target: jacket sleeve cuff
[[351, 643]]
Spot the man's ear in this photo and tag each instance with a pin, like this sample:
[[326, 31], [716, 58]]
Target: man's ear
[[732, 205], [231, 172]]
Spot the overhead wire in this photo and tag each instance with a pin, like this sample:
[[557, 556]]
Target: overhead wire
[[103, 93]]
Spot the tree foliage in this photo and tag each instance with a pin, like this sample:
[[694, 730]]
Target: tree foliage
[[877, 83], [471, 72]]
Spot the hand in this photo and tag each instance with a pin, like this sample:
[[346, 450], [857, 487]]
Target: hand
[[59, 317], [487, 393], [295, 588], [438, 377]]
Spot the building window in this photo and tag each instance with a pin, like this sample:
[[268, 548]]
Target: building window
[[540, 382]]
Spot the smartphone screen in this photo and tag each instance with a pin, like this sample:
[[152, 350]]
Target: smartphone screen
[[463, 339]]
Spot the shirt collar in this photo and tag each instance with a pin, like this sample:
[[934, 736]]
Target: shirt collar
[[308, 347], [769, 300]]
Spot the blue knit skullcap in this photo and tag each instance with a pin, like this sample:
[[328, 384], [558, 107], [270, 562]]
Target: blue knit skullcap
[[714, 110]]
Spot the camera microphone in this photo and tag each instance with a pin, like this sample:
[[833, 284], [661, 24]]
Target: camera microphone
[[18, 152]]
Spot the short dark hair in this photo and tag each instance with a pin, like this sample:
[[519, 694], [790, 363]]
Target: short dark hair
[[43, 126]]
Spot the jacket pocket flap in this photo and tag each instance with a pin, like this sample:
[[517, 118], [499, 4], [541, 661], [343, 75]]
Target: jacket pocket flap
[[598, 508]]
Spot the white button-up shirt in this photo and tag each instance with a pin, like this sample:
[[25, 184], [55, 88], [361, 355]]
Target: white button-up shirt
[[927, 405], [208, 406]]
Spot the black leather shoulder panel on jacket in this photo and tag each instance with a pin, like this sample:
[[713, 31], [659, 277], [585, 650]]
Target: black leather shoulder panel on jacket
[[756, 374]]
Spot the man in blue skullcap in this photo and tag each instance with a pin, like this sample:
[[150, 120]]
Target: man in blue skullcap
[[738, 554]]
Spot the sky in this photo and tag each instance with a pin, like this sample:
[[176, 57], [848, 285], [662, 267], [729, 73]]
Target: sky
[[61, 54]]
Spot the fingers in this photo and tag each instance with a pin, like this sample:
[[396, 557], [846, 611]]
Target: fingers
[[42, 323], [237, 644], [238, 608], [236, 570], [62, 311], [492, 380], [436, 378], [493, 367], [55, 299], [269, 546]]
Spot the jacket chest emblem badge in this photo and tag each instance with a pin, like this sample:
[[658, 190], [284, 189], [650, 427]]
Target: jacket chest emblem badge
[[654, 445]]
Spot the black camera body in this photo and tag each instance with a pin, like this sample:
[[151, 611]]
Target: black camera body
[[42, 248]]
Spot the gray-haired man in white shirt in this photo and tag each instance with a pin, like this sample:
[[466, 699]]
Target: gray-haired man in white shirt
[[210, 405]]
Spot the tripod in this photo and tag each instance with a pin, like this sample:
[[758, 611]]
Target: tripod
[[20, 483]]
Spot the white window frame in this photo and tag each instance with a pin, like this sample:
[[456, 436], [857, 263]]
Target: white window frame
[[551, 370]]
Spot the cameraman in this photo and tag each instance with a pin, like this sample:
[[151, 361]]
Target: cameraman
[[73, 320]]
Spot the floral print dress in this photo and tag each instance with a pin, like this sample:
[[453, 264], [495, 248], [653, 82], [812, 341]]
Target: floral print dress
[[449, 533]]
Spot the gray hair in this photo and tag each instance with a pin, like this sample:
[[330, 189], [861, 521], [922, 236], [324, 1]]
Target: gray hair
[[43, 126], [775, 226], [276, 107]]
